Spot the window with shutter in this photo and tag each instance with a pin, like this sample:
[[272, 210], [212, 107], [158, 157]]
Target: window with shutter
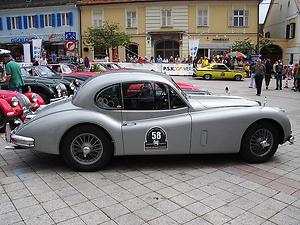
[[97, 19], [58, 17], [53, 20], [8, 23], [25, 22], [42, 24], [1, 25], [36, 21]]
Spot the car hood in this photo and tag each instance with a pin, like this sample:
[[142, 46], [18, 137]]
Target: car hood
[[43, 80], [200, 102]]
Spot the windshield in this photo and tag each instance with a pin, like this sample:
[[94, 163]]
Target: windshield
[[181, 91], [66, 68], [24, 72], [44, 71]]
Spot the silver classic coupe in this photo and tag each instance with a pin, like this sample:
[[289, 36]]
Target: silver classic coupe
[[146, 113]]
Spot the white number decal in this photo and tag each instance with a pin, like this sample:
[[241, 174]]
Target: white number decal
[[156, 135]]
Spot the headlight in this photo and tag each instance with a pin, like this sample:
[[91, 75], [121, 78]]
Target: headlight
[[14, 101], [58, 88], [34, 97], [72, 86]]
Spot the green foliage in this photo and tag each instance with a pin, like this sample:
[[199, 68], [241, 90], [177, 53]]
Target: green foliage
[[109, 36], [265, 42], [244, 46], [95, 68]]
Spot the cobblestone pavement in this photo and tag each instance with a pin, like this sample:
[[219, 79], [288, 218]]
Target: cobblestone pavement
[[192, 190]]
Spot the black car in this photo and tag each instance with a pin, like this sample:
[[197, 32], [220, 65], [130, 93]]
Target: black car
[[47, 88]]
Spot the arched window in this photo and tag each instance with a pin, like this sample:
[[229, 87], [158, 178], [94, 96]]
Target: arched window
[[132, 50]]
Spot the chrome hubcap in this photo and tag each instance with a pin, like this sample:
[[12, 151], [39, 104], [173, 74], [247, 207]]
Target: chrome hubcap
[[86, 149], [261, 142]]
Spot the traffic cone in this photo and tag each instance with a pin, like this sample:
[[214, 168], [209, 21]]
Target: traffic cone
[[286, 83]]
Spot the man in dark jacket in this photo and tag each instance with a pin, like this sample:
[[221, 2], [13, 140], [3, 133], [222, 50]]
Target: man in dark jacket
[[260, 71], [279, 69], [268, 74]]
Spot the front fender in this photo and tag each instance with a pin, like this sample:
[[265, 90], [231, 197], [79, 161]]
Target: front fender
[[57, 124], [8, 110]]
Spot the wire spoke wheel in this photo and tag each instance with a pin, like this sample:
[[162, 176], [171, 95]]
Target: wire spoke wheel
[[261, 142], [86, 148]]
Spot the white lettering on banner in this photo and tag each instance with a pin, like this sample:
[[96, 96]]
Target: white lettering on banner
[[167, 68], [177, 69]]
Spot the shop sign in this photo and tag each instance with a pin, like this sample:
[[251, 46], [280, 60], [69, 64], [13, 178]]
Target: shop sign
[[70, 45], [220, 39], [22, 40], [70, 36], [56, 37]]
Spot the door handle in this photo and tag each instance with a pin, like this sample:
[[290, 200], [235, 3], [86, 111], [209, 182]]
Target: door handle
[[129, 123]]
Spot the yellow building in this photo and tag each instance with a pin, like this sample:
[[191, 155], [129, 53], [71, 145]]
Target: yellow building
[[165, 28], [281, 25]]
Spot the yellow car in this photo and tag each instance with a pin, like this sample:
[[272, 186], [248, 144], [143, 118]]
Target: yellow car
[[218, 71]]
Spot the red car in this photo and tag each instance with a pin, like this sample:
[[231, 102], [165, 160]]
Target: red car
[[14, 105]]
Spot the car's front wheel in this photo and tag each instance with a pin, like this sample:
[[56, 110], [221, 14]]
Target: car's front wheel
[[86, 148], [207, 77], [237, 77], [259, 143]]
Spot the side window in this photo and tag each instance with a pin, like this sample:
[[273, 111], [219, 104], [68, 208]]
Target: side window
[[215, 67], [162, 101], [138, 96], [175, 100], [109, 98], [222, 67]]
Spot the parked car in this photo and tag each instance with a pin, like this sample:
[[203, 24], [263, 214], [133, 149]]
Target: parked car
[[108, 116], [218, 71], [62, 68], [14, 105], [48, 87]]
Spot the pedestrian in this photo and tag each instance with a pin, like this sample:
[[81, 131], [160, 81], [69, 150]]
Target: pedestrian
[[298, 79], [13, 73], [159, 59], [252, 76], [269, 69], [260, 71], [86, 63], [54, 57], [295, 72], [247, 69], [43, 61], [279, 68]]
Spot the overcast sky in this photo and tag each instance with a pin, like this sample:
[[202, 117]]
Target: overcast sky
[[263, 9]]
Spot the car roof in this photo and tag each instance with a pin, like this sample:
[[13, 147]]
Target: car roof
[[96, 83], [117, 76]]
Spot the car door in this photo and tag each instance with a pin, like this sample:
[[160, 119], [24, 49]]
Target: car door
[[155, 120], [223, 71]]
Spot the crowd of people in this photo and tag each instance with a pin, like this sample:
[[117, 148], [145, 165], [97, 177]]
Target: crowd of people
[[260, 70]]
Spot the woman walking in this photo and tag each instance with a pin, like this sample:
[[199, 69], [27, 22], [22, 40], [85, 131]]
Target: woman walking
[[269, 69]]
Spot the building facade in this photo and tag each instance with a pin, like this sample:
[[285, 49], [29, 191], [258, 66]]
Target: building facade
[[165, 28], [282, 26], [21, 21]]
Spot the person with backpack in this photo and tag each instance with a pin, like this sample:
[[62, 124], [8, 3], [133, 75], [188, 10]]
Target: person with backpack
[[279, 68]]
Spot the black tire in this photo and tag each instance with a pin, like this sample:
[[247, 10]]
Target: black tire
[[238, 77], [207, 77], [73, 152], [2, 122], [253, 147]]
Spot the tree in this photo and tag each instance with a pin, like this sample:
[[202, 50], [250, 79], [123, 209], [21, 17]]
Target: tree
[[265, 43], [244, 46], [109, 36]]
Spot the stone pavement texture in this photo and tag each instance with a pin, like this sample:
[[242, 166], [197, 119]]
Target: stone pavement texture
[[37, 188]]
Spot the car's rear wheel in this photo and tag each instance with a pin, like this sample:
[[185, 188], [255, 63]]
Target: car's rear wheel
[[259, 143], [207, 77], [237, 77], [86, 148], [2, 121]]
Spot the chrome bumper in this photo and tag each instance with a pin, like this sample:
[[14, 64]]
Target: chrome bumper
[[291, 139], [17, 141]]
